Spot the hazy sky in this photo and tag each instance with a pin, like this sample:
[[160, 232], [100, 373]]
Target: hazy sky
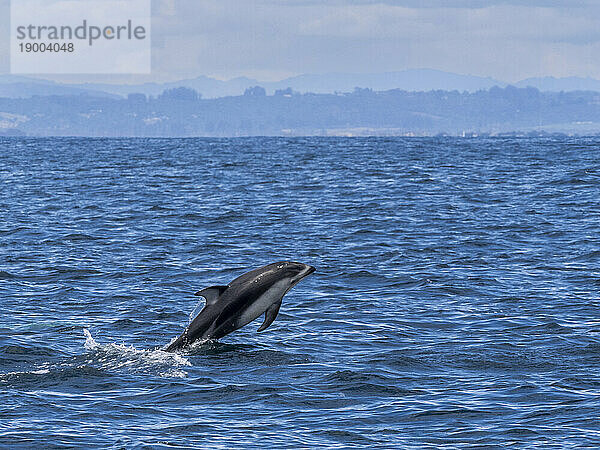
[[268, 39]]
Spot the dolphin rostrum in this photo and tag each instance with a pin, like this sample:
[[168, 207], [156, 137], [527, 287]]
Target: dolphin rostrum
[[231, 307]]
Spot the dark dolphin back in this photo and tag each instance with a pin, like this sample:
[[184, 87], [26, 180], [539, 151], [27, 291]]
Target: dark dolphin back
[[250, 286], [265, 272]]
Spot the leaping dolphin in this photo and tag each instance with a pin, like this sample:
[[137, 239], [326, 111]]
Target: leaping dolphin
[[243, 300]]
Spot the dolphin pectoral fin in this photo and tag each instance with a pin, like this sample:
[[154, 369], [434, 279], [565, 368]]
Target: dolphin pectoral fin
[[270, 315], [211, 294]]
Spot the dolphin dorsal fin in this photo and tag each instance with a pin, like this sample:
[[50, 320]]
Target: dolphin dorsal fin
[[270, 315], [211, 294]]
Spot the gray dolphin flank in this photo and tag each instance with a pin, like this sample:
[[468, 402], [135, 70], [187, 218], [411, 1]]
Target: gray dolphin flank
[[230, 307]]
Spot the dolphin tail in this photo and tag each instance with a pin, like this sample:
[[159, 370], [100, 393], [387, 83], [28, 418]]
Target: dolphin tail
[[175, 345], [270, 315]]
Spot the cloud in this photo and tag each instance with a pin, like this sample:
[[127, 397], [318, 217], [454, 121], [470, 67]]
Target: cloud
[[4, 36], [505, 39], [431, 4], [502, 38]]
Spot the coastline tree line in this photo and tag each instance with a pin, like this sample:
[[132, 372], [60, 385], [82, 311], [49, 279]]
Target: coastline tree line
[[183, 112]]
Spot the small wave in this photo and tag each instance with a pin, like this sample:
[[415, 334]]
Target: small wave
[[345, 436], [588, 256], [9, 231], [71, 272], [75, 237], [153, 241], [121, 357], [48, 375], [357, 384], [191, 216], [33, 372], [26, 350], [230, 215], [6, 275]]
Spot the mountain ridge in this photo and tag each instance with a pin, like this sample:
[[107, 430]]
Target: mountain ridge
[[418, 80]]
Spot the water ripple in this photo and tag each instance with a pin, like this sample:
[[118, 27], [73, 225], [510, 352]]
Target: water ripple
[[455, 302]]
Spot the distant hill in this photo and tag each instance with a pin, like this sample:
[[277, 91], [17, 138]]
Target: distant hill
[[567, 84], [208, 87], [408, 80], [12, 86], [414, 80]]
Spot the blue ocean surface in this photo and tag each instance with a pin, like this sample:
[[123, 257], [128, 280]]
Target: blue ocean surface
[[455, 304]]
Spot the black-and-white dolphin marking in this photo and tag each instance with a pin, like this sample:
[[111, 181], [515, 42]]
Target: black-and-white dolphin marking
[[231, 307]]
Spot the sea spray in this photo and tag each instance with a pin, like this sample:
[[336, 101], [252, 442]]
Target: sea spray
[[119, 356]]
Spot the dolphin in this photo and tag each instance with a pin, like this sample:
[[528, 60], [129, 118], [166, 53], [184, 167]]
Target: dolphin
[[230, 307]]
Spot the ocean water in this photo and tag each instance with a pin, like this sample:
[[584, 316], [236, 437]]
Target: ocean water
[[456, 301]]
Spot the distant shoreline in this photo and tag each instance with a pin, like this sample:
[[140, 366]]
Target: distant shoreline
[[182, 112], [515, 135]]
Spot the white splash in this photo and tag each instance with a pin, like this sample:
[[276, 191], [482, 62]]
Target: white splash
[[196, 311], [121, 357], [4, 377], [90, 343]]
